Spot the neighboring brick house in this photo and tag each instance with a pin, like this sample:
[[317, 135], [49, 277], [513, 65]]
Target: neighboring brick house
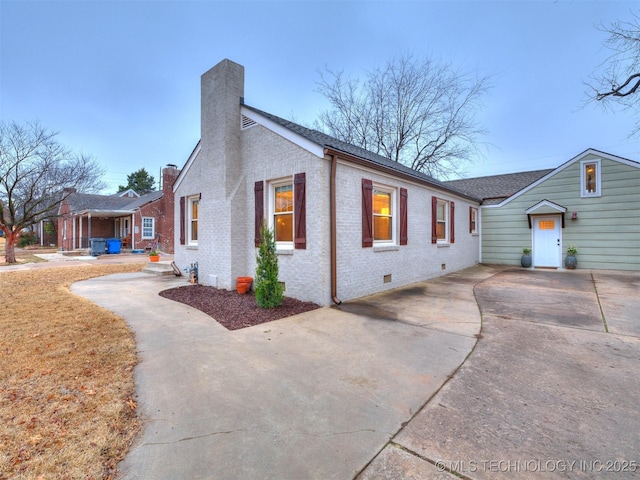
[[347, 222], [138, 221]]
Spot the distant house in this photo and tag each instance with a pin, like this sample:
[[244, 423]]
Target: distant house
[[347, 222], [591, 201], [46, 232], [138, 221]]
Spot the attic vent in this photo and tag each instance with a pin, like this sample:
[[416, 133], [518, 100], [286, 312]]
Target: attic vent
[[247, 122]]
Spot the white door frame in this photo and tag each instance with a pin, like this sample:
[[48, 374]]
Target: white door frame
[[553, 245]]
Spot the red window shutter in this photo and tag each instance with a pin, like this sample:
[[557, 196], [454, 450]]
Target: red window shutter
[[403, 217], [367, 213], [434, 219], [452, 223], [470, 219], [258, 190], [182, 220], [300, 209]]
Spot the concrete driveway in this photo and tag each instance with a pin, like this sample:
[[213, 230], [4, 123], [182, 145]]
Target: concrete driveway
[[358, 390], [551, 390]]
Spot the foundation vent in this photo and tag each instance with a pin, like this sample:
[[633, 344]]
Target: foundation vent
[[386, 279], [246, 122]]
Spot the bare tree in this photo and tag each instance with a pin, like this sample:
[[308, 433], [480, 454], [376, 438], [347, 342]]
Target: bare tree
[[36, 175], [616, 82], [418, 113]]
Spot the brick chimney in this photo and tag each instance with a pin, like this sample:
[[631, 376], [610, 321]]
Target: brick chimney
[[165, 220], [222, 93], [169, 175]]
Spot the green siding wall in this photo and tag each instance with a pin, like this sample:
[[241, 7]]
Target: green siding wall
[[607, 231]]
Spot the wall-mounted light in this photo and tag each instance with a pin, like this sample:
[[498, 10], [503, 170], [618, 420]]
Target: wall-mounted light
[[574, 216]]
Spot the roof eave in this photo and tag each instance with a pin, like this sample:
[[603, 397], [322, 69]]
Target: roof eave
[[104, 213], [382, 168]]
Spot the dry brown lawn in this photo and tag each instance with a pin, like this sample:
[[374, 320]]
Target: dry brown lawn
[[25, 255], [66, 378]]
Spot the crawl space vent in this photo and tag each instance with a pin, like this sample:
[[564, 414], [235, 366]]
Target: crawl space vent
[[246, 122]]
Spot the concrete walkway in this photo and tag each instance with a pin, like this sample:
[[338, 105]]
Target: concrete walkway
[[312, 396], [373, 389], [59, 260]]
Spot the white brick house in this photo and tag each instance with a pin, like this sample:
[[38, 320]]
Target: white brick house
[[348, 222]]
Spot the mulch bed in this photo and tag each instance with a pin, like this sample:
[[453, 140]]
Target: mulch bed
[[232, 310]]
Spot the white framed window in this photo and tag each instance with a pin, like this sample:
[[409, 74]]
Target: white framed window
[[193, 204], [281, 212], [473, 220], [148, 228], [442, 221], [384, 201], [590, 178]]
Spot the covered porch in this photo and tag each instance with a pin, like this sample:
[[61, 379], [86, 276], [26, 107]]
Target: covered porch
[[79, 229]]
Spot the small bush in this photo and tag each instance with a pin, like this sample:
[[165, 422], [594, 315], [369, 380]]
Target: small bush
[[27, 238], [268, 290]]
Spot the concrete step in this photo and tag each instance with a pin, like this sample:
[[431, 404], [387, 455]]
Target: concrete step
[[159, 268]]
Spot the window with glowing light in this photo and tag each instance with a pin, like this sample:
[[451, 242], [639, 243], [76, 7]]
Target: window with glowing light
[[194, 203], [473, 220], [382, 216], [590, 178], [442, 220], [283, 213]]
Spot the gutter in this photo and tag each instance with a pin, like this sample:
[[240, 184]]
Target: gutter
[[333, 227]]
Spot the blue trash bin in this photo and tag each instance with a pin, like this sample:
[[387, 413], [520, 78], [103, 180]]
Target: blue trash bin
[[113, 245], [98, 246]]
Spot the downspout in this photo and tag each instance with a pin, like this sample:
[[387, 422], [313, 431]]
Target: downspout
[[333, 222], [479, 222]]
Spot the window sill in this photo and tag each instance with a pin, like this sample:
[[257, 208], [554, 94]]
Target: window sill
[[192, 247], [386, 248], [284, 251], [443, 245]]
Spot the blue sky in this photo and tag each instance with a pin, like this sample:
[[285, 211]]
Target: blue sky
[[120, 80]]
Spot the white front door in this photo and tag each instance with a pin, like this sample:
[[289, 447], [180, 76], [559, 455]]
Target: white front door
[[546, 241]]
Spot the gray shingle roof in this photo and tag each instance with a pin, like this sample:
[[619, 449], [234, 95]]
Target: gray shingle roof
[[80, 202], [495, 188], [328, 141], [144, 199]]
